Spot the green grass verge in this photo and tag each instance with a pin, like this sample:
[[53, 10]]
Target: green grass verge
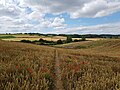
[[7, 37]]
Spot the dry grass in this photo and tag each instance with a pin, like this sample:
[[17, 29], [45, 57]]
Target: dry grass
[[20, 35], [54, 38], [19, 39], [32, 38], [25, 36], [32, 67], [26, 66], [81, 71], [90, 39]]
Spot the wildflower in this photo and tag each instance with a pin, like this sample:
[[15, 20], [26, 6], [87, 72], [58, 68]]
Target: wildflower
[[17, 67], [29, 70]]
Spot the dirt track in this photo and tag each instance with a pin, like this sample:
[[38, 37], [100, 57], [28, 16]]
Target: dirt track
[[58, 82]]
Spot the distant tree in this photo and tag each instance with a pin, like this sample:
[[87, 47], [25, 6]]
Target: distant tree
[[41, 40], [69, 39], [115, 37], [76, 40], [59, 41], [83, 38], [26, 41]]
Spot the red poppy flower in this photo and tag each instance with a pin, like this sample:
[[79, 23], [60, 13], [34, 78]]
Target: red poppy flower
[[29, 70], [17, 66]]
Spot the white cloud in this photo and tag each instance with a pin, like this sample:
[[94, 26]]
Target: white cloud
[[55, 23], [29, 15], [76, 8], [90, 9], [58, 23], [96, 29], [36, 15], [10, 11]]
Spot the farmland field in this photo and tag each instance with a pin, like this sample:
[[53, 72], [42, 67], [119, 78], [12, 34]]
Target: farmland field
[[89, 65], [59, 44], [19, 37], [91, 39]]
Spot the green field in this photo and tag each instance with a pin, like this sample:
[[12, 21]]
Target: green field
[[7, 37]]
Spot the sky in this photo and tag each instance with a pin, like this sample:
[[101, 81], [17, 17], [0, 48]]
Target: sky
[[60, 16]]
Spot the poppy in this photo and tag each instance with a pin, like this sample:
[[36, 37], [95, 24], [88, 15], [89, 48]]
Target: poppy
[[29, 70], [17, 66]]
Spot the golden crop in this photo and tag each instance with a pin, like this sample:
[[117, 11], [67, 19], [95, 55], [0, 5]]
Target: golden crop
[[34, 67]]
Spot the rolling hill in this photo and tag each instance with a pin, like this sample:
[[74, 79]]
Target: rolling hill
[[91, 65]]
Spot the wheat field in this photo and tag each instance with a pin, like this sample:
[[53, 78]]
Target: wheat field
[[19, 37], [34, 67]]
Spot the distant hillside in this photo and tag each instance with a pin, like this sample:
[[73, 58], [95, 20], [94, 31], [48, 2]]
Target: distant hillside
[[100, 46]]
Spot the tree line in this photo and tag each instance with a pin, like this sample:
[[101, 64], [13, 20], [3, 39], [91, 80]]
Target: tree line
[[46, 42]]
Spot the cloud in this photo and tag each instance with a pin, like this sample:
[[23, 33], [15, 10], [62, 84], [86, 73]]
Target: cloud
[[55, 23], [10, 11], [90, 9], [96, 29], [30, 15], [36, 15], [76, 8], [10, 25], [58, 23]]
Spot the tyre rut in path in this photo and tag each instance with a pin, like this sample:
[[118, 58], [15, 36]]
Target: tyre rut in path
[[58, 82]]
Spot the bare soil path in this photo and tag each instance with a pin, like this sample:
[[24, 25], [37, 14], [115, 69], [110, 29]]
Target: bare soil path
[[58, 82]]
